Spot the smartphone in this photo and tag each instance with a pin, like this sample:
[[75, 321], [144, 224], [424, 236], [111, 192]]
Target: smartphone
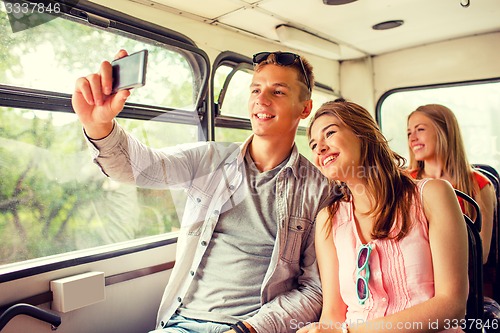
[[130, 71]]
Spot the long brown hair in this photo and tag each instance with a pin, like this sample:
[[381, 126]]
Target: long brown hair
[[450, 150], [388, 184]]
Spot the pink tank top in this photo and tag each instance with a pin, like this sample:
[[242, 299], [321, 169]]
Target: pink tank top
[[401, 273]]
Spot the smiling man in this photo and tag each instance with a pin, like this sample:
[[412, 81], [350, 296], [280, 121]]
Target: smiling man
[[245, 257]]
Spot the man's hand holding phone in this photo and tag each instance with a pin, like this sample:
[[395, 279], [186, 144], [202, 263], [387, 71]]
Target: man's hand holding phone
[[94, 101]]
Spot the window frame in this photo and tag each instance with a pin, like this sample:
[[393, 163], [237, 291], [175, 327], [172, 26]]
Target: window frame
[[378, 108], [42, 100], [380, 101]]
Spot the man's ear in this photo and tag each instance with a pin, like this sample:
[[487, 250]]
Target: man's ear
[[307, 109]]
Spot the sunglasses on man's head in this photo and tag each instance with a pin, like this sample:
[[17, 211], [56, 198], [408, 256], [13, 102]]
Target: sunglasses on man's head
[[284, 59]]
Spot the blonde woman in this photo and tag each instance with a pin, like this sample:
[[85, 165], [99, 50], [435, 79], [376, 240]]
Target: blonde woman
[[437, 151]]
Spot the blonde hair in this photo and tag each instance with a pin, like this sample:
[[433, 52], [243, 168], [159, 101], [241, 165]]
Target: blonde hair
[[305, 93], [388, 183], [450, 150]]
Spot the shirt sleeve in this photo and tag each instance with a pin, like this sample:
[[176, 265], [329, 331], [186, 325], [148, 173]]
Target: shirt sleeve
[[123, 158]]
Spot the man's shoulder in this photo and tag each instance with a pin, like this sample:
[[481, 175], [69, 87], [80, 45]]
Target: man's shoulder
[[305, 167], [310, 179], [205, 154], [218, 148], [223, 146], [313, 185], [225, 150]]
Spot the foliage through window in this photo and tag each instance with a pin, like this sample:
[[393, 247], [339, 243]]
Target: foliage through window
[[53, 198], [52, 55]]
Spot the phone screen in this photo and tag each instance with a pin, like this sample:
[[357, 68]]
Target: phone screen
[[130, 71]]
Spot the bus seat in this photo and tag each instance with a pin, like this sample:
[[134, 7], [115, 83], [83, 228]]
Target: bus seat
[[474, 312], [492, 266], [475, 300]]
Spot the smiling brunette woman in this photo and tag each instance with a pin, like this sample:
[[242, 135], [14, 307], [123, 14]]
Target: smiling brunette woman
[[384, 255]]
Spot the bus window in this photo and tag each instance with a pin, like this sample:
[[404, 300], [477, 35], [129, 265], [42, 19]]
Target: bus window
[[475, 105], [232, 122], [235, 103], [170, 81], [53, 198]]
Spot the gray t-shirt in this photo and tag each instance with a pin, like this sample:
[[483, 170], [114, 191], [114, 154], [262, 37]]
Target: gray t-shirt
[[229, 281]]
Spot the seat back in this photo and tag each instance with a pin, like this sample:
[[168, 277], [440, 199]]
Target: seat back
[[474, 312], [492, 266]]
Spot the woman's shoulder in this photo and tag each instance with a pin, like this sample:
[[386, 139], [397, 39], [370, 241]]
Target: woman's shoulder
[[480, 179], [421, 183], [439, 202], [323, 215], [341, 215], [435, 184], [432, 189]]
